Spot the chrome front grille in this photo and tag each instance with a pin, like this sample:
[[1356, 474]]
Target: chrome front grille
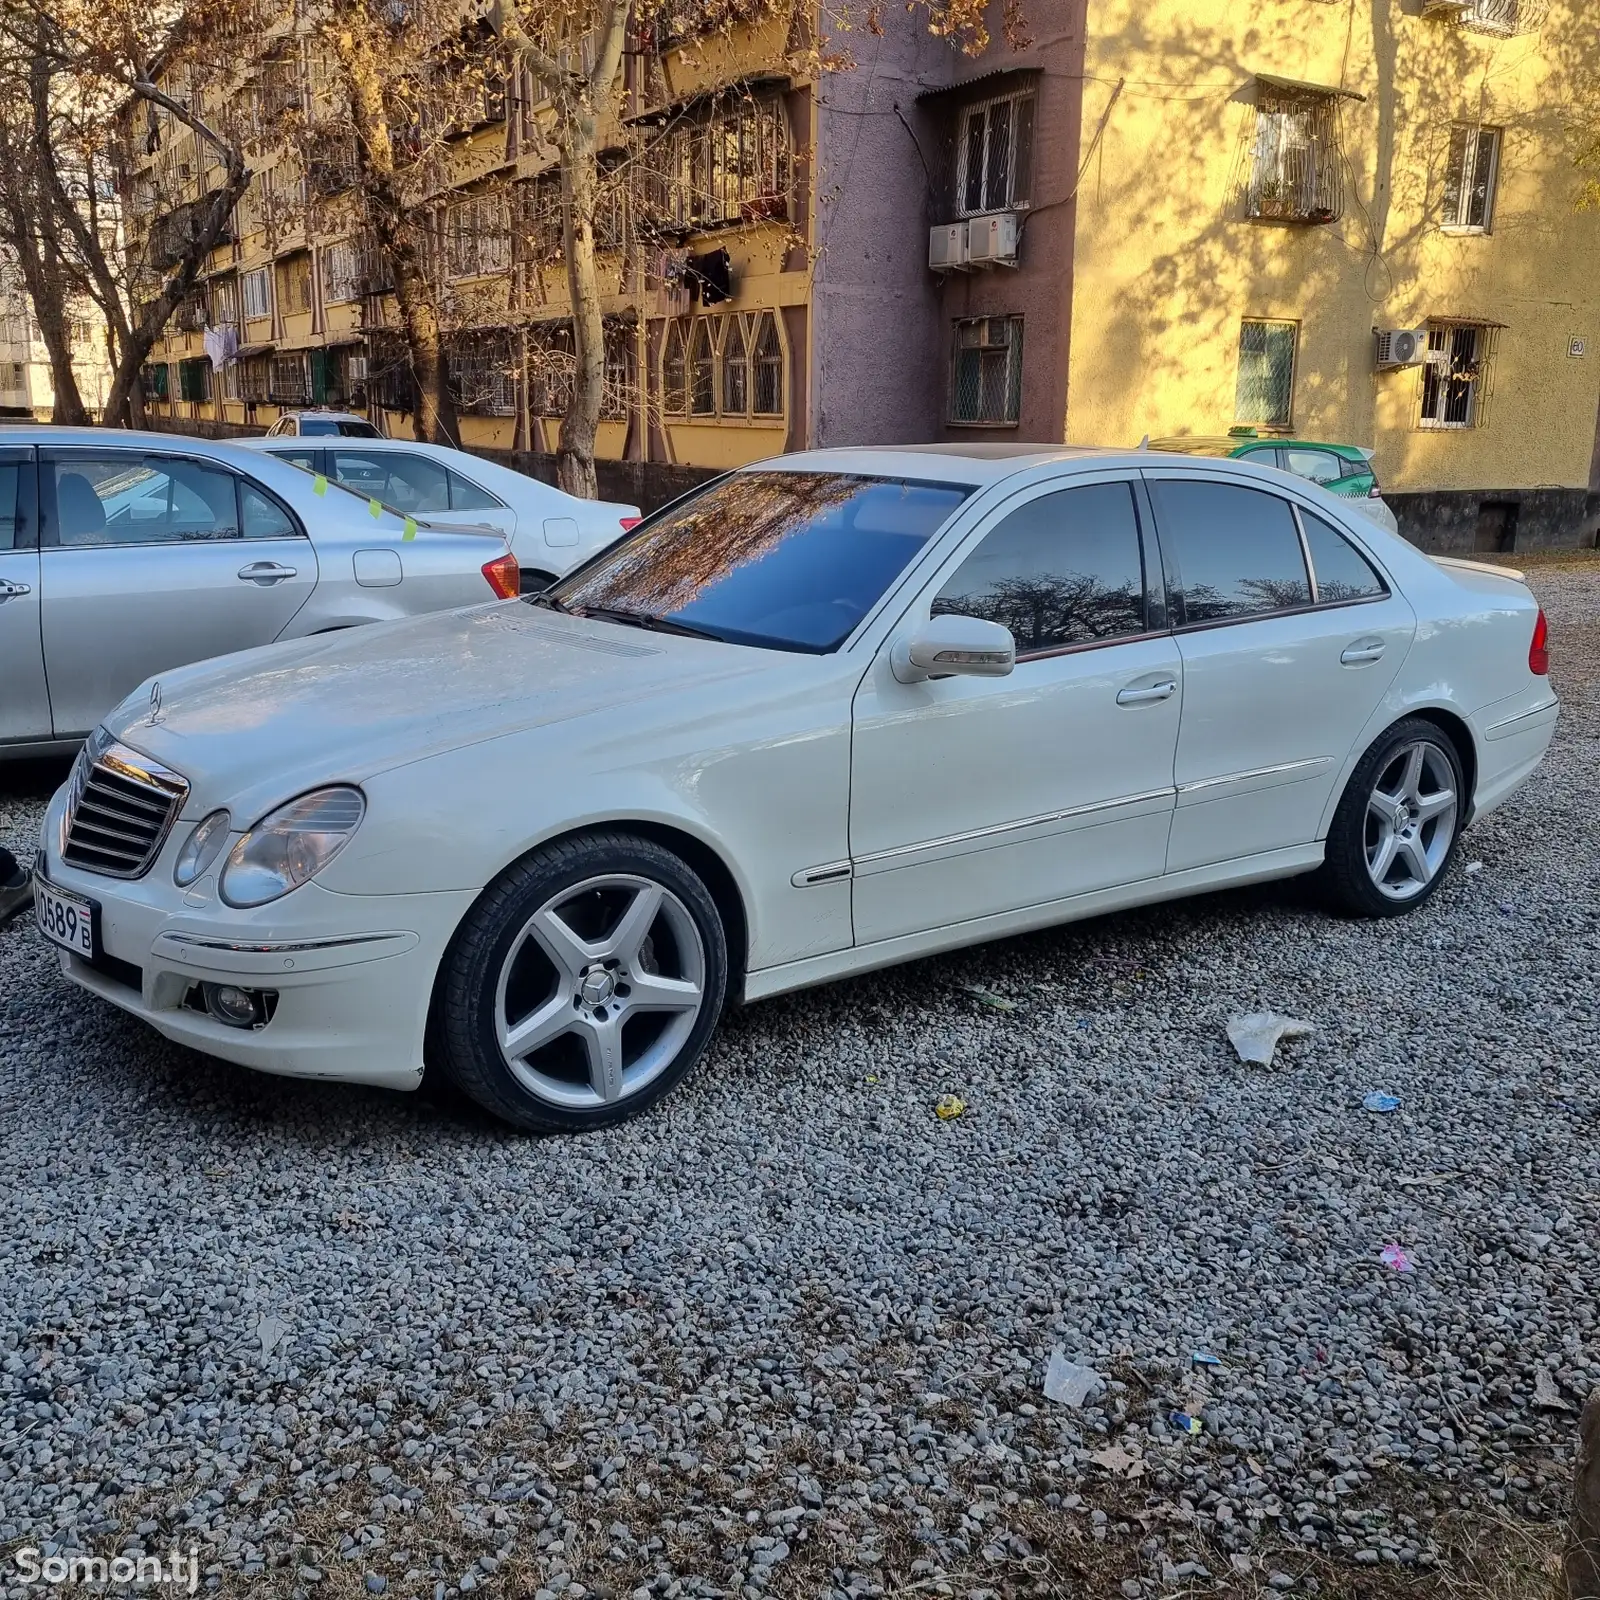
[[120, 807]]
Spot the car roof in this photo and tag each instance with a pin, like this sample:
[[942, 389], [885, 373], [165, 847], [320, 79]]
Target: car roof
[[323, 413], [1236, 443], [976, 463]]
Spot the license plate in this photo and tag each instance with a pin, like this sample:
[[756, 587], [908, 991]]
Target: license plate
[[65, 919]]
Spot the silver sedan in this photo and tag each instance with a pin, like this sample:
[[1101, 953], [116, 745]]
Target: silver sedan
[[125, 554]]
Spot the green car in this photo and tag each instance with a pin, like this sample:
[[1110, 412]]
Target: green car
[[1342, 469]]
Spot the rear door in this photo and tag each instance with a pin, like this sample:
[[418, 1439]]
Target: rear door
[[24, 702], [151, 561], [419, 486], [1281, 672]]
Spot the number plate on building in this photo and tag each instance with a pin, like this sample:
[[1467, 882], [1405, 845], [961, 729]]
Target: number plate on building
[[65, 919]]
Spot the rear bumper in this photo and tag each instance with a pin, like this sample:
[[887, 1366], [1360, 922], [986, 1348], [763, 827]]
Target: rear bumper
[[353, 975], [1510, 747]]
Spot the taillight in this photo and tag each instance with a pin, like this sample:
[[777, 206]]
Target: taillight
[[1539, 650], [1374, 493], [504, 576], [630, 523]]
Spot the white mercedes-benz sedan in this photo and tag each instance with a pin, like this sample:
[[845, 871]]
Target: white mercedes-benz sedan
[[835, 711]]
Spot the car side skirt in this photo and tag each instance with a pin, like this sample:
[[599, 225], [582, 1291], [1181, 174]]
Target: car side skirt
[[768, 981]]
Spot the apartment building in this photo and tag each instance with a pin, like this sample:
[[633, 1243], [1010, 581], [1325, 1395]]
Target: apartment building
[[1307, 218], [1332, 221], [27, 389]]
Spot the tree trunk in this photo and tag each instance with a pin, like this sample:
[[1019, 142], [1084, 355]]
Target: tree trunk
[[46, 286], [579, 180], [1581, 1566], [434, 421], [137, 345]]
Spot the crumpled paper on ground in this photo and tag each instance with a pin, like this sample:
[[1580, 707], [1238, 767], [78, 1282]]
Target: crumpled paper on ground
[[1066, 1382], [1257, 1036]]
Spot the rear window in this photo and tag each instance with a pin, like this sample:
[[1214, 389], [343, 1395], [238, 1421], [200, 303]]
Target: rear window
[[785, 560], [326, 427]]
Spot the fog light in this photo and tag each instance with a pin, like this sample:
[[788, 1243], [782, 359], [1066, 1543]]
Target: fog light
[[239, 1008]]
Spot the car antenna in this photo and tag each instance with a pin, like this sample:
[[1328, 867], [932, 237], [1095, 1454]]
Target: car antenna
[[1144, 443]]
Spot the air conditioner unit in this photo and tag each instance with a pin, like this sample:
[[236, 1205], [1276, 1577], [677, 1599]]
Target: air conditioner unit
[[1448, 10], [1402, 347], [992, 240], [947, 246]]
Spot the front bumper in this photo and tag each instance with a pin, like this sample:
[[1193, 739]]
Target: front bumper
[[353, 973]]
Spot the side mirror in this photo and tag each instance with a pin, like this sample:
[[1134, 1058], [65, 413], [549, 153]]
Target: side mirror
[[951, 646]]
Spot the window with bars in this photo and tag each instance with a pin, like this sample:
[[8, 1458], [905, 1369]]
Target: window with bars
[[1455, 374], [728, 161], [483, 376], [994, 157], [290, 384], [225, 303], [552, 369], [729, 366], [255, 291], [255, 378], [1295, 169], [617, 394], [735, 370], [341, 273], [194, 380], [153, 379], [294, 283], [1470, 174], [674, 371], [1264, 393], [986, 371], [477, 237], [766, 397], [702, 370]]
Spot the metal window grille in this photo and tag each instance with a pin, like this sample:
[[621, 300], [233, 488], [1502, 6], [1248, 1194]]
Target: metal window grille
[[618, 390], [341, 273], [986, 370], [1295, 168], [702, 370], [154, 381], [730, 161], [1265, 389], [1470, 175], [767, 385], [294, 283], [1504, 18], [483, 377], [994, 159], [255, 378], [1455, 375], [256, 292], [674, 372], [290, 384], [477, 237], [553, 369], [735, 370]]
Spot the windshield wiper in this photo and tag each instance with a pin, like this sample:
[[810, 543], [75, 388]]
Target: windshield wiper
[[650, 621], [547, 600]]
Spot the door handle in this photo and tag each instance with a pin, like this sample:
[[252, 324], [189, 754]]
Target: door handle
[[1150, 692], [265, 573], [9, 588], [1362, 652]]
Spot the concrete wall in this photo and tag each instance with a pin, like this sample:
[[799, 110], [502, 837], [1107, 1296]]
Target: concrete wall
[[1453, 522], [1167, 265], [877, 360]]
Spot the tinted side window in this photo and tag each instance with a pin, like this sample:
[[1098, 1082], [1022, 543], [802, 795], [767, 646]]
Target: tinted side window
[[306, 458], [1343, 573], [1064, 569], [1320, 466], [108, 498], [10, 472], [466, 496], [1235, 551]]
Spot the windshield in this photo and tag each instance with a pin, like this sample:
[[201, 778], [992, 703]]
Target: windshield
[[785, 560]]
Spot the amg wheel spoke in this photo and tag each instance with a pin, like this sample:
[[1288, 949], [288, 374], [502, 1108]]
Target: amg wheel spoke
[[1411, 783], [538, 1028], [602, 1040], [1434, 805], [649, 991], [1386, 807], [635, 924], [1382, 858], [1416, 858], [558, 941]]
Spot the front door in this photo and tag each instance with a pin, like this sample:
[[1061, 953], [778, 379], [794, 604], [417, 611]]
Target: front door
[[977, 796], [152, 561], [24, 702], [1279, 677]]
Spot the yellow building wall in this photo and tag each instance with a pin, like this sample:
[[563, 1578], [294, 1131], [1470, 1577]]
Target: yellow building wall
[[1166, 266]]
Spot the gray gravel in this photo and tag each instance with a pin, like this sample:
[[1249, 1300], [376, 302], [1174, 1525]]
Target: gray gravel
[[788, 1334]]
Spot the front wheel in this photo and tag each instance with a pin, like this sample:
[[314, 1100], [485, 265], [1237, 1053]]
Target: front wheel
[[1397, 824], [584, 984]]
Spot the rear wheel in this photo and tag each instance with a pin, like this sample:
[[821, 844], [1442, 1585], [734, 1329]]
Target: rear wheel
[[1397, 824], [584, 984]]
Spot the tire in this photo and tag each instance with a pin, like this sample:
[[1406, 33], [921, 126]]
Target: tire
[[583, 986], [533, 581], [1398, 823]]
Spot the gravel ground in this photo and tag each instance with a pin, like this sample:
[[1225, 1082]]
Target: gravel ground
[[787, 1335]]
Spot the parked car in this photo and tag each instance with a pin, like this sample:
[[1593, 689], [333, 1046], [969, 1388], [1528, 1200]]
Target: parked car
[[834, 711], [1341, 469], [321, 423], [124, 554], [550, 532]]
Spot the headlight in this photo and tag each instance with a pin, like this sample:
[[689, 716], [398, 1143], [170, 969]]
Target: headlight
[[291, 845], [201, 849]]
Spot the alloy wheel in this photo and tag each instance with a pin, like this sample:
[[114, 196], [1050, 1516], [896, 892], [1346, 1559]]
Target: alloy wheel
[[1411, 819], [599, 991]]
